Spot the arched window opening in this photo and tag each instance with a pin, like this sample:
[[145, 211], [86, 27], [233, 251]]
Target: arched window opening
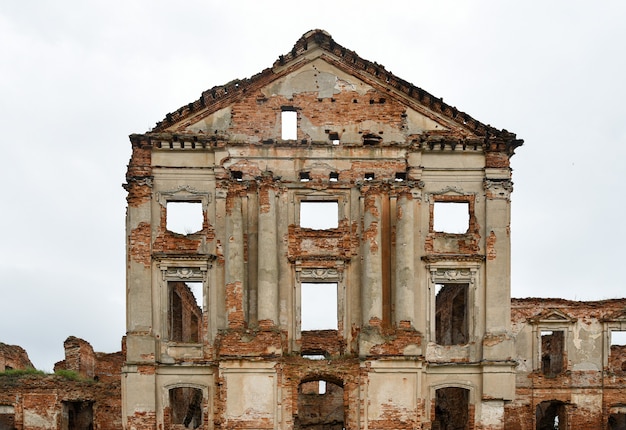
[[551, 415]]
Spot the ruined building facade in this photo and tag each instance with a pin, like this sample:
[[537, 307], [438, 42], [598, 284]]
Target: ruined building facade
[[326, 246], [326, 182]]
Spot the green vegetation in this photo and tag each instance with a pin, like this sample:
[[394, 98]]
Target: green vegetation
[[22, 372], [69, 374]]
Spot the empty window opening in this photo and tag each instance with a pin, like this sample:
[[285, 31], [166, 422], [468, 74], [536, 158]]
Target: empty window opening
[[371, 139], [552, 349], [451, 217], [551, 415], [400, 176], [319, 215], [369, 176], [318, 306], [305, 176], [237, 175], [320, 406], [451, 408], [617, 352], [184, 217], [77, 415], [617, 421], [185, 311], [186, 407], [451, 319], [7, 417], [314, 356], [289, 124], [334, 137], [333, 177]]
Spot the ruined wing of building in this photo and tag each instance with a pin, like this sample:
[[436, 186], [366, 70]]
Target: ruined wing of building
[[327, 246]]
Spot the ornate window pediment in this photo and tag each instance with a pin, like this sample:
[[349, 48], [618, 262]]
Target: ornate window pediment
[[552, 316]]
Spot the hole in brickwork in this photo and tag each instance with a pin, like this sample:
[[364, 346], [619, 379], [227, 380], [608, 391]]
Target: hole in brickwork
[[552, 349], [451, 319], [551, 415], [185, 311], [371, 139], [237, 175], [304, 176], [369, 176], [451, 217], [334, 137], [314, 356], [319, 215], [451, 408], [186, 407], [289, 124], [617, 421], [320, 406], [77, 415], [7, 417], [333, 177], [400, 176], [318, 306], [184, 217]]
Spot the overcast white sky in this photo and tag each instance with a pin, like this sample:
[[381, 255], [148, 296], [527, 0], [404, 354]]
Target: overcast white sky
[[77, 77]]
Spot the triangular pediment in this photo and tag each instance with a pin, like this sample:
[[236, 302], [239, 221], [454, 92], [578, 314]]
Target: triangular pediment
[[552, 316], [320, 76]]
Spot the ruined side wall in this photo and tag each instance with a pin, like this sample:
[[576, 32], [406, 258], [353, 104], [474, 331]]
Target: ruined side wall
[[13, 357], [590, 382]]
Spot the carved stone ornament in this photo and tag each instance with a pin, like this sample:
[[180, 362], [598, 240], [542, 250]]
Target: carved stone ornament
[[183, 192], [192, 273], [498, 189], [319, 274], [453, 189], [438, 275]]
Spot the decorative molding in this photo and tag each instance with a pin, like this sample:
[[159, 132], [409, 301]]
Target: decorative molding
[[498, 189], [187, 273], [457, 275], [184, 192], [323, 274], [451, 189], [552, 316], [416, 194]]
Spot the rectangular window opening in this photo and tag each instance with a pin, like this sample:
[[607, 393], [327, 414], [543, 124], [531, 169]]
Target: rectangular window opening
[[319, 215], [451, 217], [186, 301], [316, 357], [318, 306], [617, 351], [333, 177], [184, 217], [552, 349], [289, 124], [186, 406], [77, 415], [304, 176], [451, 314], [7, 417]]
